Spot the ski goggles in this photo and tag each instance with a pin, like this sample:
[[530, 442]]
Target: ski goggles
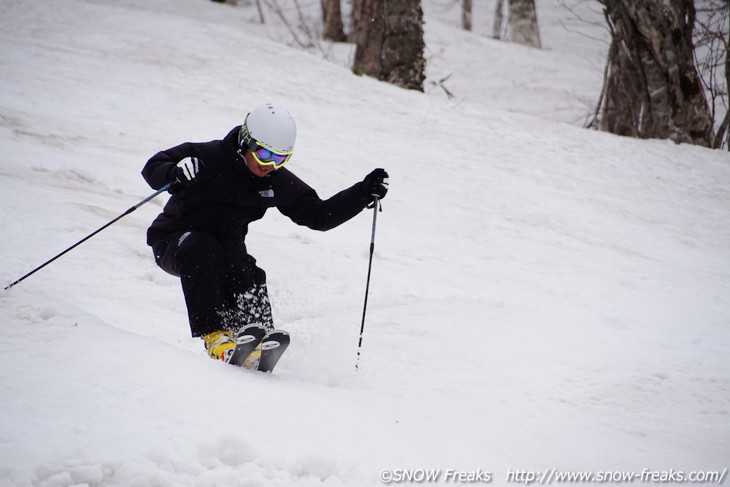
[[268, 157]]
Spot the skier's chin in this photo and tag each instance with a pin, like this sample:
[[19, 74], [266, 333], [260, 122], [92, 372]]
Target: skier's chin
[[261, 172]]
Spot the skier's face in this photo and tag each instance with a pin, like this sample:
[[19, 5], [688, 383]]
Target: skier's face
[[256, 168]]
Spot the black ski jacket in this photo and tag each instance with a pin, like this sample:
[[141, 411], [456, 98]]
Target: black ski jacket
[[229, 197]]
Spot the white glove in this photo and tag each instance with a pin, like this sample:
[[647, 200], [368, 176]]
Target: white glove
[[188, 170]]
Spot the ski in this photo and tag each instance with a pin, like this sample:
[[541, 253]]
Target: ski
[[247, 339], [273, 347]]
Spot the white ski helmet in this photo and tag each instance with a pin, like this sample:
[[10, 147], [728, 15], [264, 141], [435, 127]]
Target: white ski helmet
[[270, 126]]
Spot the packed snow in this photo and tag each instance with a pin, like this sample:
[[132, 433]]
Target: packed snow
[[542, 297]]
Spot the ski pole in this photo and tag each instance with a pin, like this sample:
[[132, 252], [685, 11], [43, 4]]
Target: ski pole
[[376, 202], [89, 236]]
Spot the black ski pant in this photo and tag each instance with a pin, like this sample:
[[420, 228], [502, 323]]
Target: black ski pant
[[223, 287]]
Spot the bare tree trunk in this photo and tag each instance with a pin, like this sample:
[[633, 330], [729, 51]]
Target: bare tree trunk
[[498, 20], [466, 14], [711, 38], [727, 90], [357, 23], [652, 88], [261, 12], [522, 20], [332, 21], [723, 128], [390, 42], [721, 131]]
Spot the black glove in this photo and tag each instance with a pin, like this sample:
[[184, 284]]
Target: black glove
[[186, 173], [375, 184]]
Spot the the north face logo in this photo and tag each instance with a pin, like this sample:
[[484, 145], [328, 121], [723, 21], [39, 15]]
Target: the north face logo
[[269, 193]]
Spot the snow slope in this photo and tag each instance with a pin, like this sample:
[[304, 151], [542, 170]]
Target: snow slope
[[543, 296]]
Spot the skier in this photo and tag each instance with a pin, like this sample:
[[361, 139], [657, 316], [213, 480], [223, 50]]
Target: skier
[[218, 188]]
